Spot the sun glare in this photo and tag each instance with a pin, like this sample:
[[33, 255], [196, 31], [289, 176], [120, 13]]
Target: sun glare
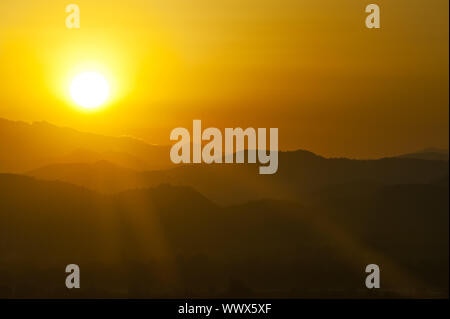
[[89, 90]]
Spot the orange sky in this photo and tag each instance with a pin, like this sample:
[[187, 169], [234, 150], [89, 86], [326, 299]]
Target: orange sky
[[309, 67]]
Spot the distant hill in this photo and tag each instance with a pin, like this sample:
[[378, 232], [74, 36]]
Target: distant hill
[[173, 242], [101, 176], [300, 174], [26, 146], [124, 160], [432, 154]]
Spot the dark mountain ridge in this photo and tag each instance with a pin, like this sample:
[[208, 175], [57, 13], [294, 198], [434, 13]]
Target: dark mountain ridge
[[300, 174]]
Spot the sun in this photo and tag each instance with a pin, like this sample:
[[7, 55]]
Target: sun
[[89, 90]]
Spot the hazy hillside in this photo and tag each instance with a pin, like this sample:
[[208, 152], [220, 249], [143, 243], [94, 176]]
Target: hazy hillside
[[433, 154], [101, 176], [300, 174], [172, 241], [26, 146]]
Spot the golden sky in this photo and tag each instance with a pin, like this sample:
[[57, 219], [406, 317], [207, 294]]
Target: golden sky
[[308, 67]]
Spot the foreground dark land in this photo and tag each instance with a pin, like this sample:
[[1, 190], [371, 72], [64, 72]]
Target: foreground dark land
[[173, 242]]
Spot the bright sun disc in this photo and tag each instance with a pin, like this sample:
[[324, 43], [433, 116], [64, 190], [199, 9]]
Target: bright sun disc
[[89, 90]]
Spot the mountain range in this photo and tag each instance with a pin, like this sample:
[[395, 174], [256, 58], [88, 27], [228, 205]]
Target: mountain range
[[300, 174], [139, 226], [25, 146]]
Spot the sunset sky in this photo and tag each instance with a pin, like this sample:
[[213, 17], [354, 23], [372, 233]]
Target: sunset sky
[[309, 67]]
